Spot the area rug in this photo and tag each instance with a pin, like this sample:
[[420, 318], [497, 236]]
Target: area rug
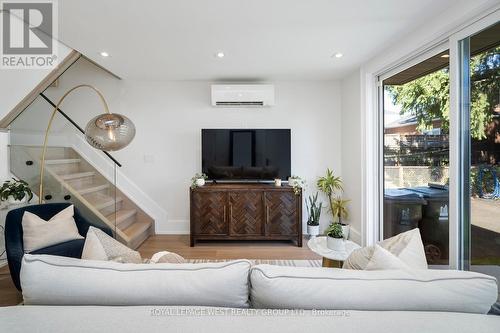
[[295, 263]]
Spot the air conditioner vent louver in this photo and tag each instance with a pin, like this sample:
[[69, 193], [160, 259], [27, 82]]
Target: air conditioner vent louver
[[242, 95], [240, 103]]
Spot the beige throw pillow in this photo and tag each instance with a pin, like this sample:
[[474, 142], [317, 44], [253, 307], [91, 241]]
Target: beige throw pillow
[[407, 247], [38, 233], [101, 246], [384, 260]]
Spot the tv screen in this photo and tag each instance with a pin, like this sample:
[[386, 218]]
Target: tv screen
[[246, 154]]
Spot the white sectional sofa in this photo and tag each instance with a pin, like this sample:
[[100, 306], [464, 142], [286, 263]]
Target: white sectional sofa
[[65, 294]]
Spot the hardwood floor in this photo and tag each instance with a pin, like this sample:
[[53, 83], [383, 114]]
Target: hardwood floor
[[8, 292], [180, 245], [226, 250]]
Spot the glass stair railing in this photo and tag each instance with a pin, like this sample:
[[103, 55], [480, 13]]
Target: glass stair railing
[[69, 176]]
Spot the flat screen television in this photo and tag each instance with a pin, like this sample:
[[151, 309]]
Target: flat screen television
[[246, 154]]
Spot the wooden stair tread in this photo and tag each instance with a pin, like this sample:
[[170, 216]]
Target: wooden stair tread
[[136, 229], [92, 189], [63, 161], [121, 215], [104, 201], [78, 175]]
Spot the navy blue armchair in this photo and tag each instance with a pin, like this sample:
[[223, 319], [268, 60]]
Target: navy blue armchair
[[14, 236]]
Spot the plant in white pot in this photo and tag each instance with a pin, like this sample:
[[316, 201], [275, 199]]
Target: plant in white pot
[[339, 207], [15, 191], [314, 212], [329, 184], [335, 237], [198, 180]]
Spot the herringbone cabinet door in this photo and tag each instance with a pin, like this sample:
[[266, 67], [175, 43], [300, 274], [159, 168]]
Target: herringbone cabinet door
[[209, 213], [281, 213], [246, 213]]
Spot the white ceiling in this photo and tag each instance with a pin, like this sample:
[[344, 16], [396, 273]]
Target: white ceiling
[[262, 39]]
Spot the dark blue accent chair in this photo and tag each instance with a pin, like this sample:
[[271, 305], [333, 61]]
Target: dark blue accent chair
[[14, 236]]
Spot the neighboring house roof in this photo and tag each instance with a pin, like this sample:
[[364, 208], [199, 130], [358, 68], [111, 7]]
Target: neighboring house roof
[[408, 120]]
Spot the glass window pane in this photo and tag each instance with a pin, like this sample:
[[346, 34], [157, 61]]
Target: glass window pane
[[484, 111], [416, 154]]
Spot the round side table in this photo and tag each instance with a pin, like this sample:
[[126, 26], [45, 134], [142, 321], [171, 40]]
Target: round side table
[[331, 258]]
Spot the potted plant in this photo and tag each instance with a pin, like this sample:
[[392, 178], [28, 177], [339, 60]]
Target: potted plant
[[314, 212], [339, 207], [15, 192], [335, 237], [198, 180], [329, 184]]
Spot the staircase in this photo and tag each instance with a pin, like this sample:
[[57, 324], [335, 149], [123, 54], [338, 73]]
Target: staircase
[[69, 177]]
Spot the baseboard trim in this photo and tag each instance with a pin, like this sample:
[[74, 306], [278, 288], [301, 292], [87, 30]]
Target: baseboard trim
[[174, 227]]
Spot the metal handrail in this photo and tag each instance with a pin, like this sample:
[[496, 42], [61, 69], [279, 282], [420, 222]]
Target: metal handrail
[[76, 125]]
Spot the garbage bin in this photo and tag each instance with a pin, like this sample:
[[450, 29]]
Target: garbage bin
[[402, 211], [434, 226]]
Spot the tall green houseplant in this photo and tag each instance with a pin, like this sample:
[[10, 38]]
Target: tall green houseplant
[[329, 184]]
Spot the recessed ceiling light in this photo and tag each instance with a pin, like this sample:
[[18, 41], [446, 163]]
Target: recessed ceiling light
[[446, 55], [220, 54], [338, 55], [104, 54]]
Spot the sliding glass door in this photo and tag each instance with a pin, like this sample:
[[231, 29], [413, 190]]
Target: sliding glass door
[[480, 142], [416, 154]]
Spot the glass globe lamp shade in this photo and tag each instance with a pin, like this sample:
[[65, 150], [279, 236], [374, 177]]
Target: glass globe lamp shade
[[109, 131]]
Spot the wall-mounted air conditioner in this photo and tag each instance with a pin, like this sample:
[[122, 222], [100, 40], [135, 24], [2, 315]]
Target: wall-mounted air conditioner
[[242, 95]]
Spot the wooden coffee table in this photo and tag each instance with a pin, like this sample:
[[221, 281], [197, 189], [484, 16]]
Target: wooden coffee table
[[331, 258]]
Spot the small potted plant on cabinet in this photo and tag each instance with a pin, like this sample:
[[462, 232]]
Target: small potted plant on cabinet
[[314, 211], [339, 207], [15, 192], [198, 180], [335, 237]]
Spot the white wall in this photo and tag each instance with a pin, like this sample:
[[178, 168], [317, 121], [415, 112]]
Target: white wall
[[351, 151], [4, 156], [169, 116], [23, 80]]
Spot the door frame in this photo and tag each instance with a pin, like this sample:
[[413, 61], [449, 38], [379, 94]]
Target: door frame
[[459, 152], [371, 122]]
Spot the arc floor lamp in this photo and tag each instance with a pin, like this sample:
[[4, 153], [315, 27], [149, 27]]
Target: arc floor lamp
[[107, 131]]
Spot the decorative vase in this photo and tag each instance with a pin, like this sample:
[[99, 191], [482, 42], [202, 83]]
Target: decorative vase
[[335, 244], [313, 230], [200, 181], [291, 181], [11, 200], [345, 231]]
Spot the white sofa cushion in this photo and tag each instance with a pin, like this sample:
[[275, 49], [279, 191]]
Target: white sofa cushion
[[53, 280], [407, 246], [383, 259], [132, 319], [38, 233], [342, 289]]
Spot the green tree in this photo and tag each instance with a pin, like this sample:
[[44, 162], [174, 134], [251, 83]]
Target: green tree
[[428, 97]]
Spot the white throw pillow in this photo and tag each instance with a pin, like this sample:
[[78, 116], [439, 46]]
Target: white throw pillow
[[165, 257], [384, 260], [407, 246], [38, 233], [100, 246]]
